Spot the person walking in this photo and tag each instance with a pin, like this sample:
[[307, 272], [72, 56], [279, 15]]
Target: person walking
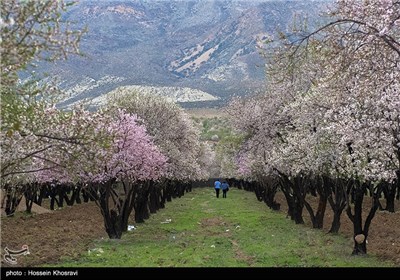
[[225, 188], [217, 187]]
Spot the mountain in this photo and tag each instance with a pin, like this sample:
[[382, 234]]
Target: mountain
[[207, 45]]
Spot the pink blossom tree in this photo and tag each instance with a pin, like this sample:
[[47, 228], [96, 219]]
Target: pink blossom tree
[[172, 129], [173, 132], [114, 169]]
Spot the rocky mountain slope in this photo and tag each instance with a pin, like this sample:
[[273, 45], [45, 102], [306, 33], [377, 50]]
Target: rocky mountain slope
[[208, 45]]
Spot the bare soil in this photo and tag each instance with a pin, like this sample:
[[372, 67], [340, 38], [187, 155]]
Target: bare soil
[[50, 236]]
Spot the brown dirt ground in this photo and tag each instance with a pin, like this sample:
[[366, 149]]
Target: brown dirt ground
[[65, 232], [384, 233], [68, 232]]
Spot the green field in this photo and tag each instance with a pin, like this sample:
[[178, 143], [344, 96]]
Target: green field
[[237, 231]]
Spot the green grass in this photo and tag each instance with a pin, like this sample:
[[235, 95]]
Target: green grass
[[235, 232]]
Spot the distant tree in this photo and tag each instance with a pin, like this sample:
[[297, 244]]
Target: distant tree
[[226, 152]]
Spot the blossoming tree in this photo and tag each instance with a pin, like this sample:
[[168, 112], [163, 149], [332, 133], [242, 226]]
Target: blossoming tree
[[174, 133], [331, 111], [114, 169]]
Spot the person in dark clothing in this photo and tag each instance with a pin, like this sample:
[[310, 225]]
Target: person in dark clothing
[[217, 187], [225, 188]]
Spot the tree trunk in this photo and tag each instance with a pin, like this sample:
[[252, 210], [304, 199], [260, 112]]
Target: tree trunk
[[153, 198], [397, 184], [360, 247], [318, 186], [61, 193], [298, 213], [390, 202], [299, 193], [52, 191], [30, 194], [113, 225], [140, 204], [324, 190], [290, 212], [168, 190], [75, 193], [269, 198], [319, 216], [127, 206], [162, 196], [112, 217], [42, 194], [189, 187], [335, 223], [358, 197], [389, 190], [258, 190], [69, 201], [295, 208], [85, 195], [317, 219], [179, 189], [338, 190], [13, 198], [78, 195]]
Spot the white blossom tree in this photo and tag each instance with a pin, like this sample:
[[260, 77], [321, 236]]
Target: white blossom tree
[[34, 30], [332, 109], [172, 129]]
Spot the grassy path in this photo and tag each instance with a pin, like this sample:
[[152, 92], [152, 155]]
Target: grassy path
[[237, 231]]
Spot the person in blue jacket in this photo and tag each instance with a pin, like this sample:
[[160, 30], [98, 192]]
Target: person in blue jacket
[[225, 188], [217, 187]]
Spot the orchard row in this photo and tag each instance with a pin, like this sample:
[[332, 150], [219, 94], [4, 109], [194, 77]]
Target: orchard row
[[328, 123]]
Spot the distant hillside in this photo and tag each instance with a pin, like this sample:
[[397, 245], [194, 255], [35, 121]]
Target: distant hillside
[[206, 45], [174, 94]]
